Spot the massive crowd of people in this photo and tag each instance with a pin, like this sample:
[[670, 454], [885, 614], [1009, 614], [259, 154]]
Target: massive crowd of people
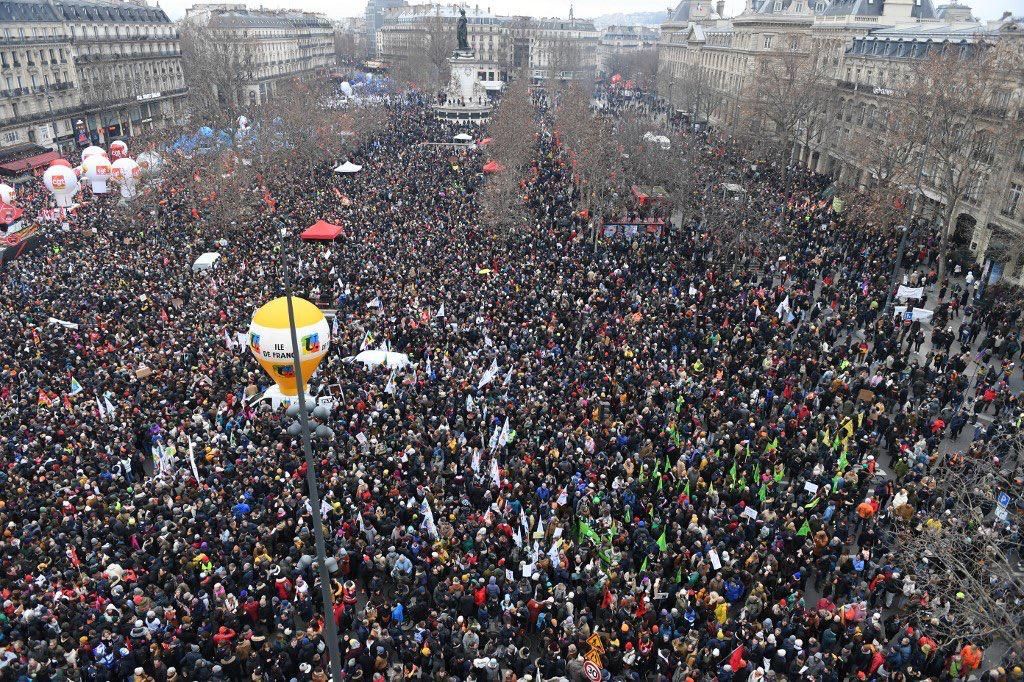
[[684, 468]]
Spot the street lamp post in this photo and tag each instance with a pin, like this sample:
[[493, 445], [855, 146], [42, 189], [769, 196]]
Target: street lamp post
[[330, 627]]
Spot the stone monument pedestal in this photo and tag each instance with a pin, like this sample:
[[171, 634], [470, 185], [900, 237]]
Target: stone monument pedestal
[[465, 99]]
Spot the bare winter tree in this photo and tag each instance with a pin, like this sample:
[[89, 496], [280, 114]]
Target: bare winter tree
[[216, 70], [891, 155], [593, 152], [778, 106], [438, 44], [962, 557], [640, 66], [513, 131]]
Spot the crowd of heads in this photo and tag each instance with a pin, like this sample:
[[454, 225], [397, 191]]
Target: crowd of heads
[[686, 466]]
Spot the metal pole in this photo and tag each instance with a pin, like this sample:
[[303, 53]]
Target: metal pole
[[330, 627]]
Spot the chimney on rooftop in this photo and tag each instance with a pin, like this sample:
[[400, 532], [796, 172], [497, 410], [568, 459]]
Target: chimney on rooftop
[[720, 8]]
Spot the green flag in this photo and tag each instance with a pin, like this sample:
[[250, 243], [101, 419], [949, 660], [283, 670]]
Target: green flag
[[643, 566], [679, 574], [686, 490], [804, 529], [668, 465], [763, 492], [746, 453], [662, 541], [813, 503], [661, 483], [732, 472], [774, 445], [587, 532], [843, 461], [757, 471], [780, 473]]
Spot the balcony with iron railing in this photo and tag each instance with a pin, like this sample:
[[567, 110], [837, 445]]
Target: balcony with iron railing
[[33, 40], [125, 56]]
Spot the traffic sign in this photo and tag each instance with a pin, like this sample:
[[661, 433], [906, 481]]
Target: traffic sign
[[591, 671], [1003, 500], [595, 643]]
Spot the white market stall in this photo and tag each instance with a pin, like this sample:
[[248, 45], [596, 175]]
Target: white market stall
[[348, 167], [206, 261], [376, 358]]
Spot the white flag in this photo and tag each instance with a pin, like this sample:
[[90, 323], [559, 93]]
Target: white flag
[[474, 463], [334, 326], [227, 340], [783, 307], [470, 405], [503, 436], [489, 375], [493, 442], [428, 518], [192, 460], [495, 473], [366, 341], [508, 377], [111, 412], [440, 311], [375, 303], [390, 388], [102, 411]]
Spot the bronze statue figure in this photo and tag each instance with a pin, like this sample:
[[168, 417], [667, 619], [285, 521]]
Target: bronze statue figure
[[461, 30]]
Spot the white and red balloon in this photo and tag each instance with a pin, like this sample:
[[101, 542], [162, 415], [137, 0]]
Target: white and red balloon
[[62, 183], [126, 173], [118, 150], [92, 151], [96, 170]]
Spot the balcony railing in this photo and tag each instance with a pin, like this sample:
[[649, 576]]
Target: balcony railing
[[33, 40]]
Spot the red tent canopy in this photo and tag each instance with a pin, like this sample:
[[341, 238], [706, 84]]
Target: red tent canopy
[[323, 231], [486, 141], [493, 167]]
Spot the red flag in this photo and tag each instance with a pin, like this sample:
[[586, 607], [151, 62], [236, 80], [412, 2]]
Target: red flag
[[163, 314], [73, 557], [269, 200], [44, 399], [67, 404], [736, 659]]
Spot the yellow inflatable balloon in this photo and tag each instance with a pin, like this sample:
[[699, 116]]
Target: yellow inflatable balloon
[[270, 340]]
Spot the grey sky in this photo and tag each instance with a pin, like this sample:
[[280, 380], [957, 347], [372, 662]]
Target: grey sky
[[985, 9]]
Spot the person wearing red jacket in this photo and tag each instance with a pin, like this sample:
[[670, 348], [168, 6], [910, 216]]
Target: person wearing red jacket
[[224, 635]]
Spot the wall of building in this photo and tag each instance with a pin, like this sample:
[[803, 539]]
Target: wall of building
[[110, 68]]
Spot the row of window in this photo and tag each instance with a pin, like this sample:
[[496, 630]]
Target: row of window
[[17, 58]]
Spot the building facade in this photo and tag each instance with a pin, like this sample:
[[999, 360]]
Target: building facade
[[374, 19], [504, 46], [77, 72], [617, 41], [559, 49], [264, 47], [989, 218], [860, 47]]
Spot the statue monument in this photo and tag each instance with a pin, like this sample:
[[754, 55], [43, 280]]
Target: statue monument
[[465, 100]]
